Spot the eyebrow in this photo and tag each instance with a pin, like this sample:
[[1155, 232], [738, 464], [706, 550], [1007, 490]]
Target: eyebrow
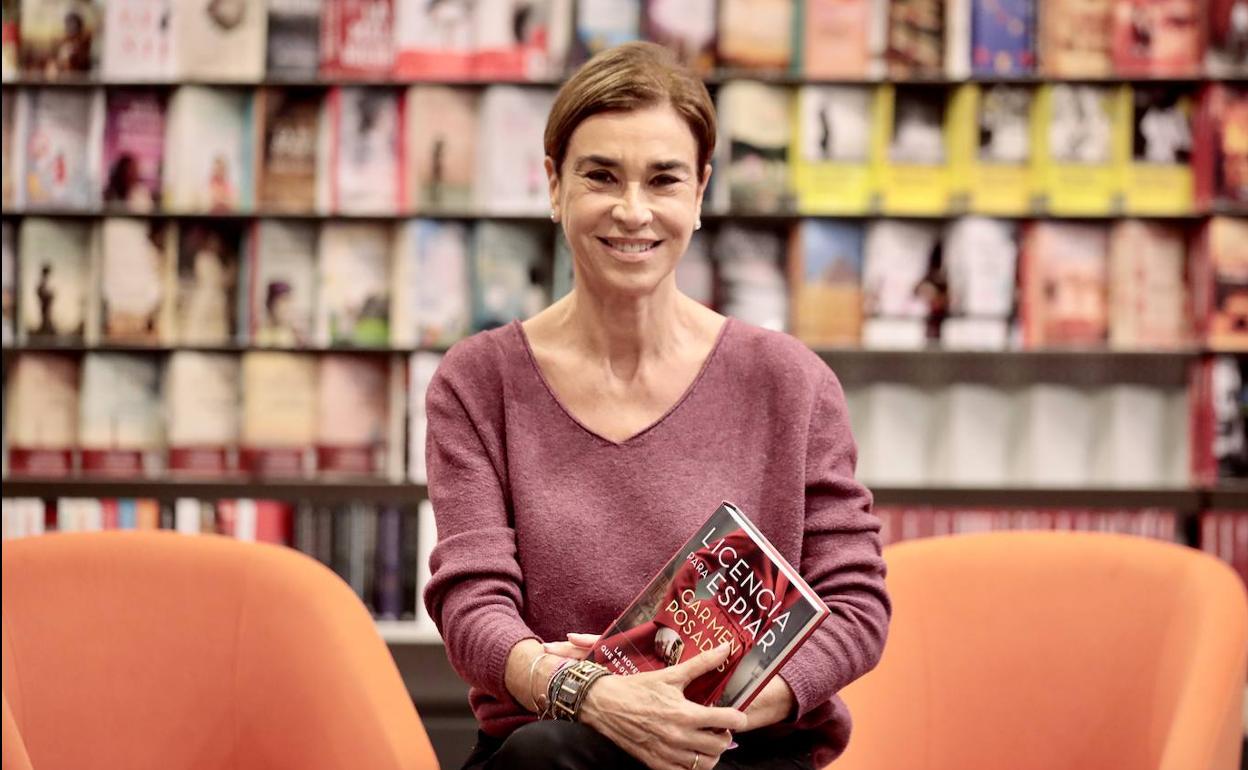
[[605, 162]]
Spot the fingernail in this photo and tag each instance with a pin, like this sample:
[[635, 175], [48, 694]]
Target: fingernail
[[550, 646]]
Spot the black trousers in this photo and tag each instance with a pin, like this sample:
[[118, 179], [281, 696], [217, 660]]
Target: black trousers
[[557, 745]]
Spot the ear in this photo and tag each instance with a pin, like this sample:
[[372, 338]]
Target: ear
[[552, 179], [706, 179]]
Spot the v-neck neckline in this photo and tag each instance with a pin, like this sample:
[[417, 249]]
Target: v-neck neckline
[[541, 376]]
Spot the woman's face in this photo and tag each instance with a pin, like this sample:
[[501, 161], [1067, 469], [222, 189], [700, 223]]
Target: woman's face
[[628, 196]]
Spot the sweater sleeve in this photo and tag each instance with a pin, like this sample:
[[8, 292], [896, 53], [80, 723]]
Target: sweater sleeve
[[840, 559], [474, 594]]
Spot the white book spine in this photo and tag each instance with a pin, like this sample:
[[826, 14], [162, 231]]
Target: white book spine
[[186, 516]]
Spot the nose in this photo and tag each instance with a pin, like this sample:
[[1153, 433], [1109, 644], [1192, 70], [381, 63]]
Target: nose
[[632, 211]]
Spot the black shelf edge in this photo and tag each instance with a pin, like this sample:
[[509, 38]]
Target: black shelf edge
[[1177, 498], [169, 489], [1228, 496]]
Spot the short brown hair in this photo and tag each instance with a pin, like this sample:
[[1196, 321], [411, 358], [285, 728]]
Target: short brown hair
[[632, 76]]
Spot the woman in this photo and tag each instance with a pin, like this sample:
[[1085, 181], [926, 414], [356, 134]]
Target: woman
[[571, 455]]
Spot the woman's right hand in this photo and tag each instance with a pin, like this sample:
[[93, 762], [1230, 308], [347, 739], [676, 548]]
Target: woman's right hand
[[649, 716]]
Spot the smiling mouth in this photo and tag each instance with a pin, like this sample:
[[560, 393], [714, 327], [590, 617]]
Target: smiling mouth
[[629, 245]]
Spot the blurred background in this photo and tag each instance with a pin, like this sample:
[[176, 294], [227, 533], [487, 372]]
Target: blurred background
[[238, 236]]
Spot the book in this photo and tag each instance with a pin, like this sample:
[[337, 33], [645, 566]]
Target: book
[[137, 41], [353, 304], [914, 163], [509, 272], [990, 134], [8, 281], [972, 435], [755, 35], [838, 38], [10, 39], [510, 165], [1158, 176], [1079, 149], [279, 413], [825, 272], [134, 149], [206, 299], [282, 284], [1158, 39], [903, 283], [754, 152], [122, 428], [220, 40], [366, 150], [1219, 156], [1064, 279], [1053, 436], [209, 150], [1129, 444], [59, 38], [603, 24], [56, 279], [434, 40], [357, 38], [980, 257], [286, 160], [134, 292], [685, 27], [421, 368], [352, 413], [521, 39], [916, 33], [1220, 283], [1075, 40], [433, 295], [1226, 50], [41, 414], [203, 403], [751, 279], [1148, 298], [727, 584], [13, 179], [441, 146], [61, 137], [293, 49], [1003, 37], [832, 163]]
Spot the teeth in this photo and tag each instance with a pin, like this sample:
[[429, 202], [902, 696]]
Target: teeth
[[632, 248]]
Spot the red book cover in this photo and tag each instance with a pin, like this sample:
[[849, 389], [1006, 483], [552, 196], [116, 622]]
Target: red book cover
[[727, 584], [357, 38]]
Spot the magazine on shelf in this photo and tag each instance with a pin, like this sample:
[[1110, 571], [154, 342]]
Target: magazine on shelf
[[134, 149], [728, 584], [756, 35], [60, 38], [137, 41]]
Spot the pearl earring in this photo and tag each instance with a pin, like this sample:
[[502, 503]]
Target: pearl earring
[[697, 225], [554, 217]]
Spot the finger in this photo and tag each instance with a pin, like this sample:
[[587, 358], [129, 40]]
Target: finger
[[702, 663], [717, 718], [566, 650], [584, 640]]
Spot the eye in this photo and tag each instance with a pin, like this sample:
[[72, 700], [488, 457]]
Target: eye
[[601, 176], [665, 180]]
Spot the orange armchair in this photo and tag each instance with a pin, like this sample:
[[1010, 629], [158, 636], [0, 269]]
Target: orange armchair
[[154, 650], [1030, 651]]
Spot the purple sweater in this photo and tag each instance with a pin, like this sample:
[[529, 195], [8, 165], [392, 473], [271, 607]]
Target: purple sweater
[[544, 527]]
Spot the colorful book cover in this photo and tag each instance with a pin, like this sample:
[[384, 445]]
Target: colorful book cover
[[912, 149], [916, 33], [1220, 152], [1079, 149], [60, 38], [825, 275], [279, 413], [980, 257], [727, 584], [510, 168], [756, 35], [1227, 42], [207, 279], [1158, 38], [353, 307], [520, 39], [122, 432], [1148, 297], [904, 287], [10, 39], [137, 44], [56, 257], [508, 273], [836, 38], [441, 153], [352, 413], [754, 153], [367, 151], [433, 302], [1075, 39], [282, 284], [203, 403], [209, 151], [686, 27], [992, 149], [62, 143], [434, 40], [1220, 284], [1158, 177], [8, 272], [12, 156], [1003, 37], [357, 38], [832, 168], [293, 51], [751, 277], [1065, 284], [134, 149], [603, 24], [134, 292], [287, 161], [41, 414]]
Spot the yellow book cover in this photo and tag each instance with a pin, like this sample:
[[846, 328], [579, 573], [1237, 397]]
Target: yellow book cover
[[1157, 122], [990, 137], [1078, 152], [832, 169], [911, 145]]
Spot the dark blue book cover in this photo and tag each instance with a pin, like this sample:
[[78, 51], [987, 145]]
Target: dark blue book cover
[[1003, 37]]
